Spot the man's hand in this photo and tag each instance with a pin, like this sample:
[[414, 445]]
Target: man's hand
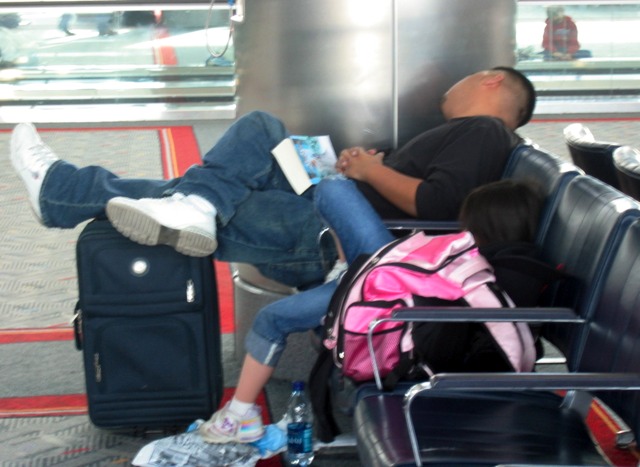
[[357, 162], [366, 166]]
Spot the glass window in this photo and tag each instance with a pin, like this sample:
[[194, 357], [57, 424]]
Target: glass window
[[182, 52], [171, 52], [579, 48]]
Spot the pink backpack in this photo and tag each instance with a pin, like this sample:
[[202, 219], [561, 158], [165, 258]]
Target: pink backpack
[[447, 268]]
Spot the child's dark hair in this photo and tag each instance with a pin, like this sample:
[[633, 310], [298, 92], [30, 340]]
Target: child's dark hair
[[503, 211]]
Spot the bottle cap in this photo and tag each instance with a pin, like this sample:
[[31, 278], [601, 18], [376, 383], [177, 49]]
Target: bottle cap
[[298, 385]]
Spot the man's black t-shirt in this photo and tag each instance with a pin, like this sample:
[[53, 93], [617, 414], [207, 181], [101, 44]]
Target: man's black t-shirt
[[452, 159]]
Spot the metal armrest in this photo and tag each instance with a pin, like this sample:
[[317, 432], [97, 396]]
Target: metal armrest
[[466, 314], [528, 381], [417, 224], [458, 314]]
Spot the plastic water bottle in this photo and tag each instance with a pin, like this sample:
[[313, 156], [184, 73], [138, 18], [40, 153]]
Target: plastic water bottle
[[299, 427]]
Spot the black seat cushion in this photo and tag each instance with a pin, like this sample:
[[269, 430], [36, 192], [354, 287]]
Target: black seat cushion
[[479, 429]]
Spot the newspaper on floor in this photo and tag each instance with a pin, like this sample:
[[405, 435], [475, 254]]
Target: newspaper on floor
[[189, 450]]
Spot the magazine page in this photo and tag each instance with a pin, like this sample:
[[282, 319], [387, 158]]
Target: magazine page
[[189, 450], [305, 160]]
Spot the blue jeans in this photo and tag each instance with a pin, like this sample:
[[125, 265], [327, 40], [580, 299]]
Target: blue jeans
[[267, 338], [357, 225], [360, 230], [260, 218]]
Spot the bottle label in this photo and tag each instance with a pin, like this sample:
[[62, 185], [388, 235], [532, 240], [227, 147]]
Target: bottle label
[[299, 438]]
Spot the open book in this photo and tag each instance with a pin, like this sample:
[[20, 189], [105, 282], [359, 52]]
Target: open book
[[305, 160]]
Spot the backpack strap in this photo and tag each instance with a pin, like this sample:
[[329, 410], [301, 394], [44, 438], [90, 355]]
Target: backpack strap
[[319, 393], [468, 268], [341, 290]]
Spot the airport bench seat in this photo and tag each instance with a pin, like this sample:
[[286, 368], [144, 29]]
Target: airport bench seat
[[593, 156], [626, 160], [482, 419]]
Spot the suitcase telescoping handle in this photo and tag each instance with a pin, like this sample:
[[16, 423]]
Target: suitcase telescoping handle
[[77, 326]]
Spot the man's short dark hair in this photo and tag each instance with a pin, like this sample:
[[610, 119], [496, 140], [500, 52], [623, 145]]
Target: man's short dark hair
[[530, 93]]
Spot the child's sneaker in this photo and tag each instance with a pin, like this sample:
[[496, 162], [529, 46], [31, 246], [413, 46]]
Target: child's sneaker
[[225, 426]]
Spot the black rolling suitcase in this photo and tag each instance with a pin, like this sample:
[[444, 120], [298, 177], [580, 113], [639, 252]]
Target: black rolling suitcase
[[148, 327]]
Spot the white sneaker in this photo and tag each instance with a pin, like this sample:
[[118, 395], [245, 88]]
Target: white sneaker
[[31, 159], [187, 223], [225, 426]]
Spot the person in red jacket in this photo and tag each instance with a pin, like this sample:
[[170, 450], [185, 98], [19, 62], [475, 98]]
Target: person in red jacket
[[560, 38]]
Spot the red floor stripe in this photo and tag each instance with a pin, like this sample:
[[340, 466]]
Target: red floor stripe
[[225, 297], [41, 406], [50, 405], [179, 150], [17, 336]]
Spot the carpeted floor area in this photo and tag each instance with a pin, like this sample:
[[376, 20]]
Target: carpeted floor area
[[548, 133]]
